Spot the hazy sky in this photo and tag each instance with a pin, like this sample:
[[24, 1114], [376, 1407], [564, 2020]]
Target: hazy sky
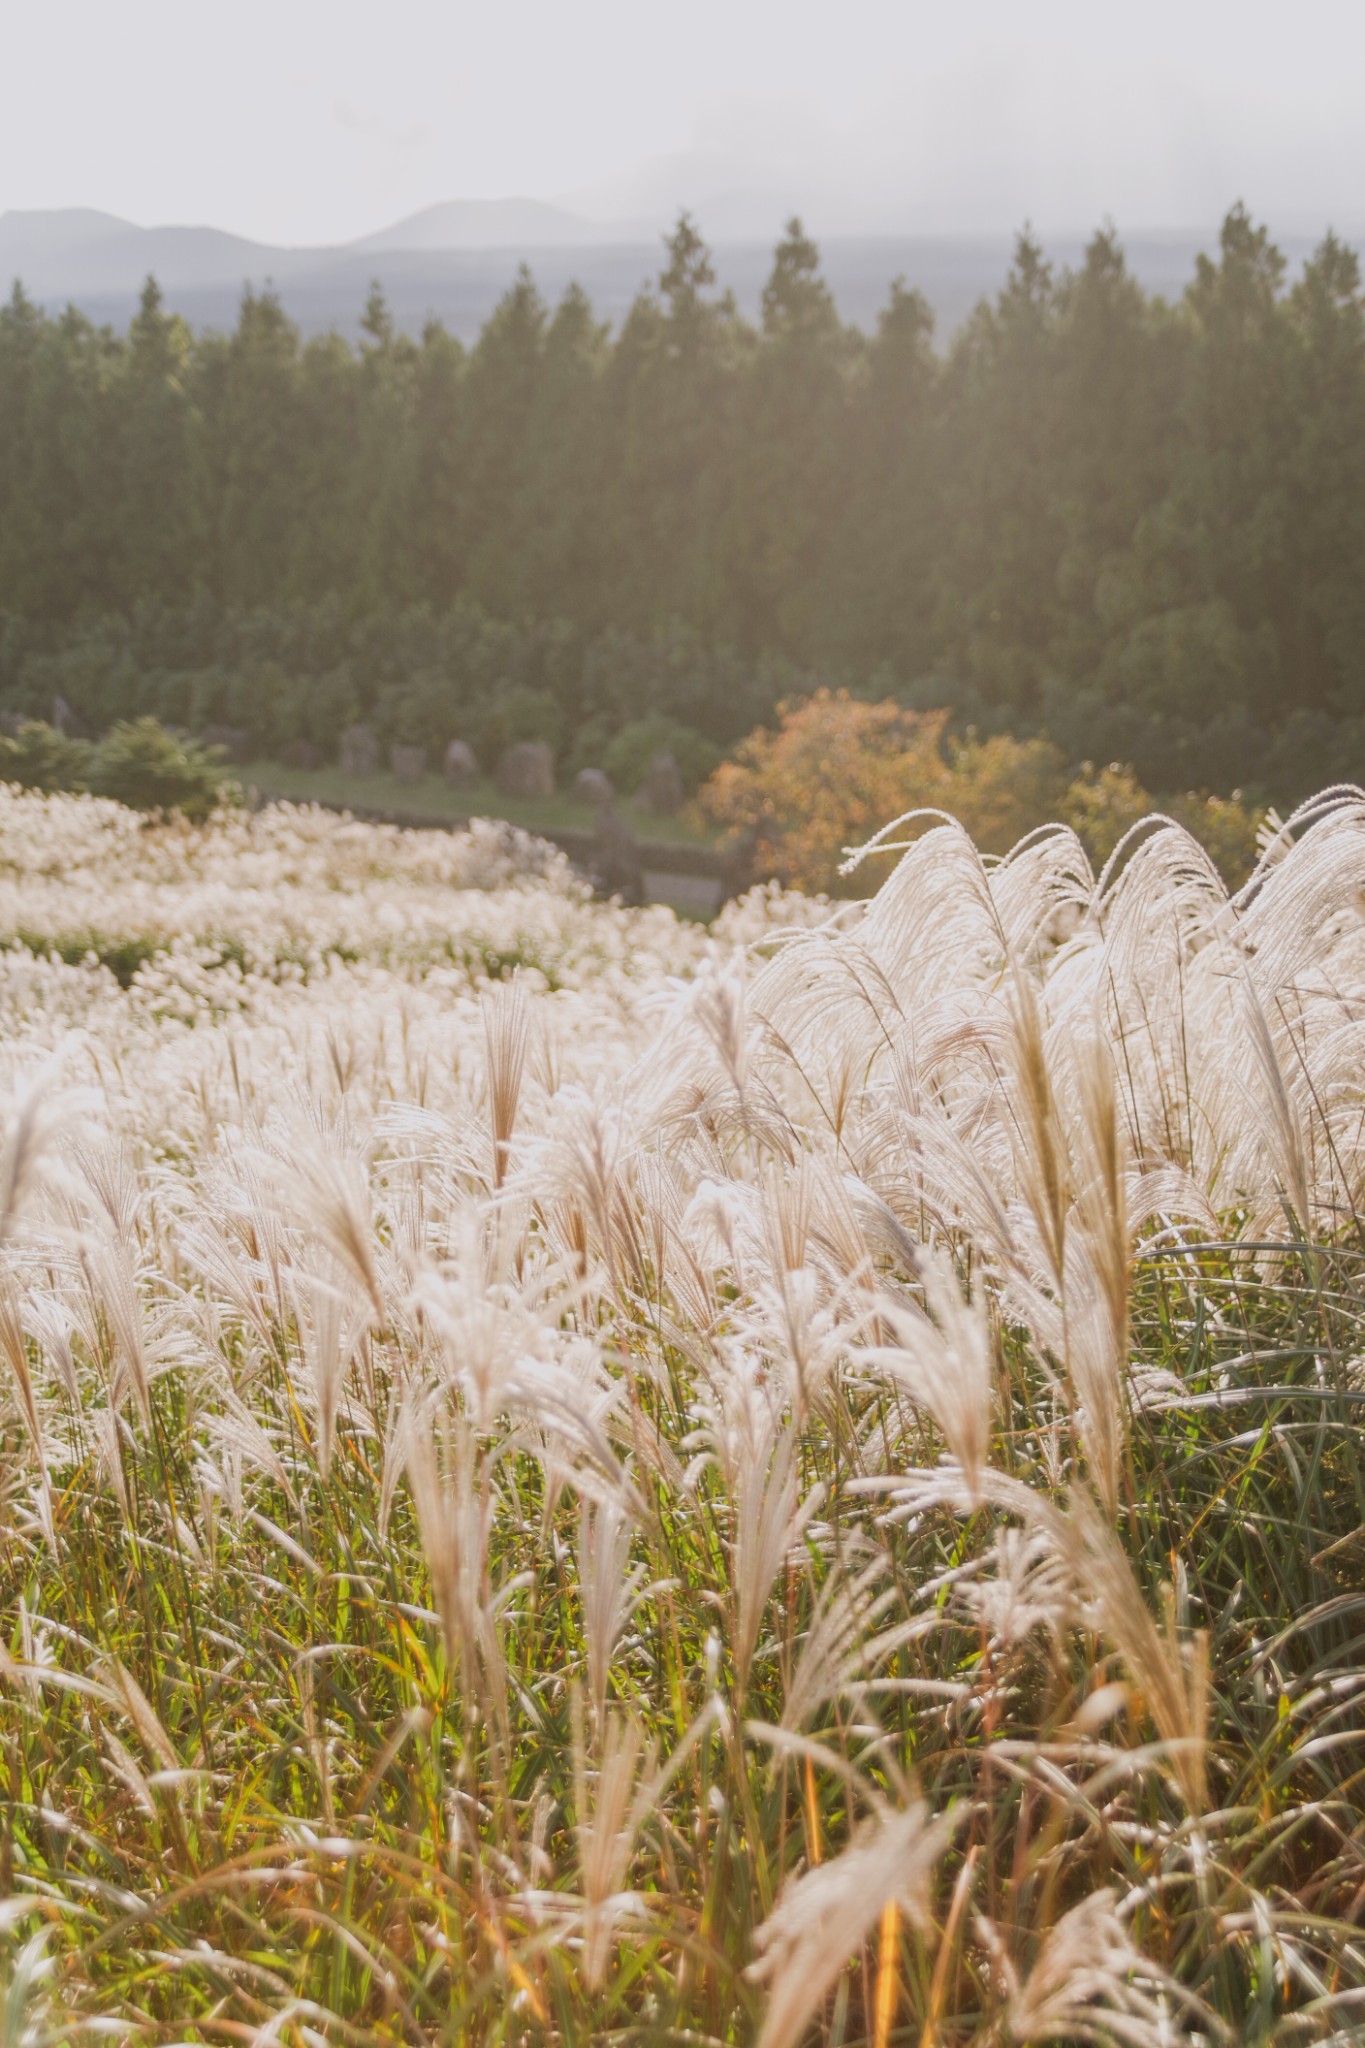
[[316, 120]]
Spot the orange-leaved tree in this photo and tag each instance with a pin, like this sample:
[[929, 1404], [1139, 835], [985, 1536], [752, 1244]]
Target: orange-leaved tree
[[833, 771], [1002, 787], [837, 769]]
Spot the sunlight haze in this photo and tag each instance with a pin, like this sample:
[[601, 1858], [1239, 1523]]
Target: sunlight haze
[[304, 122]]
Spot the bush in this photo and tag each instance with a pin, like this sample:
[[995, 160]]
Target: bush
[[628, 757], [1001, 788], [1103, 805], [519, 713], [140, 764], [592, 737], [835, 771], [38, 756], [837, 767], [1227, 826], [270, 704], [1100, 806]]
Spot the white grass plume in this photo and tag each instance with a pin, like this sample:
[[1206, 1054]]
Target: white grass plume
[[506, 1023], [613, 1798], [1172, 1675], [609, 1587], [944, 1362], [1089, 1983], [824, 1917]]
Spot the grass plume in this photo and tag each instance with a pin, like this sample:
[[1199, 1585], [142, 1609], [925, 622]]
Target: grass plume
[[568, 1477]]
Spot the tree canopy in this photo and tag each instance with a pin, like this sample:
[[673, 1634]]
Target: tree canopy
[[1133, 526]]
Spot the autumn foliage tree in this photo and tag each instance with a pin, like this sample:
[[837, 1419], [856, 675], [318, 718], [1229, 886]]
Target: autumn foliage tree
[[831, 772], [835, 769]]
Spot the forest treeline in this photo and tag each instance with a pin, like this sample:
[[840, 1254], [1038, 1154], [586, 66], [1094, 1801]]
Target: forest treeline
[[1133, 526]]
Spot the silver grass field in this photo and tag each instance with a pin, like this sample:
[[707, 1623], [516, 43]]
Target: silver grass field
[[572, 1478]]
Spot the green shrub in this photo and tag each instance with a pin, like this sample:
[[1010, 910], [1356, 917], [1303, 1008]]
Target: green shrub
[[592, 737], [628, 757], [1100, 805], [518, 712], [38, 756], [1227, 826], [140, 764]]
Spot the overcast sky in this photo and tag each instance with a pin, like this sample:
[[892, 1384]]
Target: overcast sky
[[317, 120]]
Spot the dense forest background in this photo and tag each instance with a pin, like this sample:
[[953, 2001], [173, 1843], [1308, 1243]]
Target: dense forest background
[[1137, 528]]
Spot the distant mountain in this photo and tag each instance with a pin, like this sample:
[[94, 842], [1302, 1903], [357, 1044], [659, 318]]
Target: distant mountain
[[76, 254], [49, 231], [82, 255], [45, 248], [486, 224], [450, 264]]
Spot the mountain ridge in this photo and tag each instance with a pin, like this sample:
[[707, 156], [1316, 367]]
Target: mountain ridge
[[484, 224], [99, 263]]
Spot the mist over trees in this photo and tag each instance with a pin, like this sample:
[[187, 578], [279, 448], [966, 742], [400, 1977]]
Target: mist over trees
[[1135, 527]]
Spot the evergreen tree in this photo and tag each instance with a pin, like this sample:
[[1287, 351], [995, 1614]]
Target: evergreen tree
[[496, 447], [1135, 526], [159, 523], [24, 336], [562, 482], [1004, 531], [673, 392], [874, 603], [1323, 661], [793, 482], [386, 393], [257, 446], [436, 540]]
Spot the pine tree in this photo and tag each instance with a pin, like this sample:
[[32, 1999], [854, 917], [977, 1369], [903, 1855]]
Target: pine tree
[[794, 481], [162, 539]]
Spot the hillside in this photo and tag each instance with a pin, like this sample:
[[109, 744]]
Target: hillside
[[572, 1476]]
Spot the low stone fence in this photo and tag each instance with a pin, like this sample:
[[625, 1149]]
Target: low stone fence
[[690, 877]]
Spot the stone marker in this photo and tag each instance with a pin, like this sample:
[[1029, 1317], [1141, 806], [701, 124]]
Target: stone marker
[[592, 786], [739, 870], [301, 754], [359, 751], [662, 788], [527, 769], [462, 769], [409, 764], [615, 865], [235, 741]]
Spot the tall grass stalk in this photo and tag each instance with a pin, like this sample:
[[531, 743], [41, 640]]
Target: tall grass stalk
[[568, 1479]]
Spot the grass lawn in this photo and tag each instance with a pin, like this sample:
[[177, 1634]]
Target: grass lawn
[[433, 797]]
